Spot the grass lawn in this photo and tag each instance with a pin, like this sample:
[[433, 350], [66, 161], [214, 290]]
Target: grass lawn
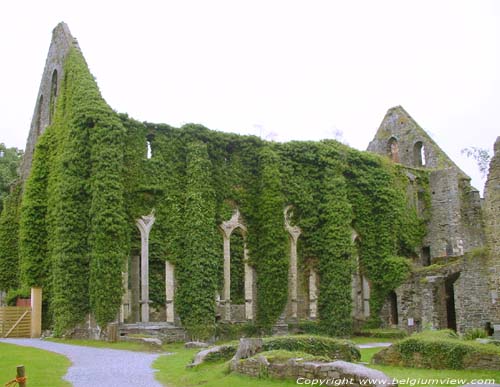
[[123, 345], [173, 372], [369, 340], [43, 368], [421, 373]]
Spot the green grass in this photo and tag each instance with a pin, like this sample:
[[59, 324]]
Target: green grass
[[43, 368], [122, 345], [369, 340], [173, 372], [421, 373]]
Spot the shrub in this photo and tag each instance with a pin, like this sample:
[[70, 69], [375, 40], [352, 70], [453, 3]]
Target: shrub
[[14, 294], [225, 353], [383, 333], [474, 334], [229, 331], [305, 327], [440, 350], [315, 345]]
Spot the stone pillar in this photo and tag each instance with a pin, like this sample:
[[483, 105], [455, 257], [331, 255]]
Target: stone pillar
[[36, 312], [144, 224], [134, 288], [366, 296], [248, 286], [227, 227], [169, 291], [125, 308], [294, 232], [226, 294], [430, 308], [313, 295]]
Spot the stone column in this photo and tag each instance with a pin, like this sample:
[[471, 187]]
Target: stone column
[[294, 232], [169, 291], [134, 288], [313, 295], [125, 308], [430, 310], [144, 224], [366, 296], [248, 286], [227, 227], [226, 293]]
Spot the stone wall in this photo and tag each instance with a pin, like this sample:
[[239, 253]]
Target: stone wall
[[455, 226], [337, 373], [422, 299], [62, 42], [492, 227]]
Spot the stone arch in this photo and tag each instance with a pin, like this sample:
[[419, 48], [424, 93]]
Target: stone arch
[[227, 228], [360, 285], [393, 149], [294, 233], [53, 95], [144, 224], [419, 154]]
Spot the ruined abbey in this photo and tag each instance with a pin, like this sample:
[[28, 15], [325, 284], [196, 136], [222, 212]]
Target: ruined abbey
[[141, 224]]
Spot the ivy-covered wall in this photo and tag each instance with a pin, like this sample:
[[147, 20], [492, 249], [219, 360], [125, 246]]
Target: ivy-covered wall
[[91, 178]]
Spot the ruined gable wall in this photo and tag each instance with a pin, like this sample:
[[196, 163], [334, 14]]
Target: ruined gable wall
[[455, 224], [62, 42], [492, 231]]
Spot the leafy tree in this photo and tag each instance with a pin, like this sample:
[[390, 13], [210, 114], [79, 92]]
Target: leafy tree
[[482, 157], [9, 163]]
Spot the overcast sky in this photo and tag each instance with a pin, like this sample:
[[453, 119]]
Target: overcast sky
[[284, 70]]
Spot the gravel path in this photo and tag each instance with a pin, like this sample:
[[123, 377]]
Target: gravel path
[[373, 345], [100, 367]]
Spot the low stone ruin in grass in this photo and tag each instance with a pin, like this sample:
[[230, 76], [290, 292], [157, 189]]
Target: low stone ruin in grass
[[299, 358]]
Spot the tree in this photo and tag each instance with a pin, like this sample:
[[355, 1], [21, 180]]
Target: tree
[[9, 163], [482, 157]]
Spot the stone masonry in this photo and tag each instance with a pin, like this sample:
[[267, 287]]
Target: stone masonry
[[62, 41], [492, 227]]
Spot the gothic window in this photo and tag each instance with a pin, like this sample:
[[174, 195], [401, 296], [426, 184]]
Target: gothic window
[[419, 154], [38, 122], [393, 149], [53, 95]]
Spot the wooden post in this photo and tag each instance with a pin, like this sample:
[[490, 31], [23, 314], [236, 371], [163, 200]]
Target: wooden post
[[36, 312], [21, 376]]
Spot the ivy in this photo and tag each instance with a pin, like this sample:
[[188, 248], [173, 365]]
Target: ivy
[[9, 228], [268, 242], [197, 268], [91, 180]]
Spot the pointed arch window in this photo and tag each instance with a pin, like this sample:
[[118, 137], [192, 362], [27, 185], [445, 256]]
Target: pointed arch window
[[393, 149], [53, 95]]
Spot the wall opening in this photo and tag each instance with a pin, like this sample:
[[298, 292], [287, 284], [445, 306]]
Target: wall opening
[[38, 121], [419, 154], [53, 95], [237, 248], [393, 303], [360, 288], [393, 149], [426, 256], [451, 315], [149, 146]]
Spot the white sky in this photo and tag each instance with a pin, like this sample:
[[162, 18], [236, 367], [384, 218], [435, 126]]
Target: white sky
[[282, 69]]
